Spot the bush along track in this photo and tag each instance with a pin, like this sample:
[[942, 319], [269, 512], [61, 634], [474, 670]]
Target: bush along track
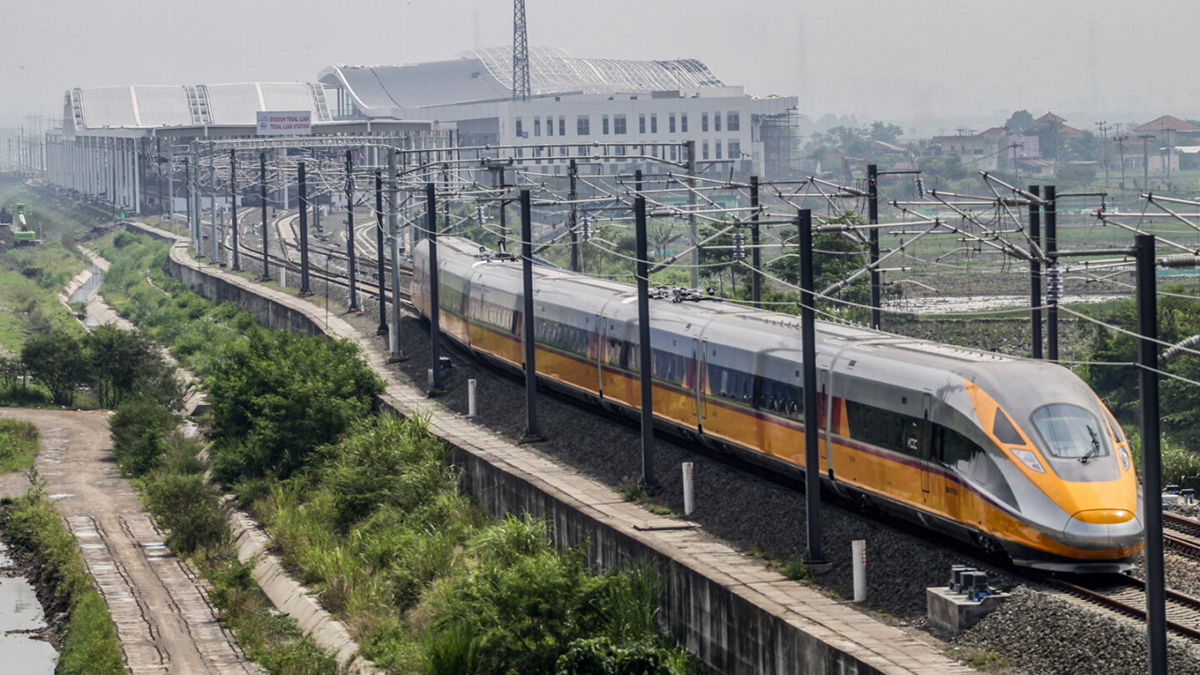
[[366, 508], [170, 470], [84, 633]]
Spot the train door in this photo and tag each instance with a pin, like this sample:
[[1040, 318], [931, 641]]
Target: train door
[[700, 356], [823, 409], [932, 482]]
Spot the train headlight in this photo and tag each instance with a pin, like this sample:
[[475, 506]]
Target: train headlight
[[1028, 458], [1124, 458]]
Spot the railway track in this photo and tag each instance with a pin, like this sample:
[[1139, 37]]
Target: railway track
[[1119, 593], [1125, 594], [1181, 534]]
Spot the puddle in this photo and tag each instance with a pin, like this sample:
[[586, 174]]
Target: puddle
[[20, 620]]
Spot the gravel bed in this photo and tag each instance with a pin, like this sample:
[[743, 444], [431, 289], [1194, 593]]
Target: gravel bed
[[1039, 633], [1034, 632]]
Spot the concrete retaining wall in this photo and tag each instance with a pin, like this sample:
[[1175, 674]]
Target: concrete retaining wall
[[736, 615]]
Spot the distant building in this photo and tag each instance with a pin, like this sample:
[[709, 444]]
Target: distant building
[[991, 150], [583, 108]]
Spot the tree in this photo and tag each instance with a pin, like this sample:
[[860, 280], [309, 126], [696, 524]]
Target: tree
[[127, 362], [835, 257], [57, 360], [660, 233], [717, 261], [888, 133], [947, 167], [277, 397], [1019, 122]]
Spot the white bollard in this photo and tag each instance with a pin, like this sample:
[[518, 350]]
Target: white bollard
[[283, 277], [858, 553], [471, 397], [393, 338], [689, 501], [430, 373]]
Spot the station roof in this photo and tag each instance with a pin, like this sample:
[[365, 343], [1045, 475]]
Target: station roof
[[154, 106], [486, 74]]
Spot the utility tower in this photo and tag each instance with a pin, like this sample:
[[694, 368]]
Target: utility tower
[[520, 77]]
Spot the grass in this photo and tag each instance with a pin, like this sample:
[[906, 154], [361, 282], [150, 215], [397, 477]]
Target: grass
[[376, 526], [186, 506], [35, 530], [981, 659], [18, 445]]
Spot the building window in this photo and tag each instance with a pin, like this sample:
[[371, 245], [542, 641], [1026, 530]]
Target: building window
[[537, 126], [642, 123], [703, 122], [654, 123], [718, 143], [619, 150], [735, 150], [583, 151], [734, 121], [682, 123], [619, 124], [604, 125], [671, 122], [562, 126], [562, 152], [549, 126], [520, 131], [674, 152], [704, 151], [583, 125]]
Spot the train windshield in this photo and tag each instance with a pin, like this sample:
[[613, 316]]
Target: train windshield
[[1070, 432]]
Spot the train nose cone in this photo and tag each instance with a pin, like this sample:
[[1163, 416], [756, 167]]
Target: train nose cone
[[1103, 529]]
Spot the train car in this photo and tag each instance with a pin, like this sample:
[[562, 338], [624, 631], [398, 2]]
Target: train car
[[1011, 454]]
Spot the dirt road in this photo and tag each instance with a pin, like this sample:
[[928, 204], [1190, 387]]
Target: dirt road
[[163, 618]]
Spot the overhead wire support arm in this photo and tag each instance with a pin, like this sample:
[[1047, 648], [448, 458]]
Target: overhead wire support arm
[[842, 283], [1151, 199]]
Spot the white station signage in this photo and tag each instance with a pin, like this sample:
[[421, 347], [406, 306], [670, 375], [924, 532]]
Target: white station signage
[[285, 123]]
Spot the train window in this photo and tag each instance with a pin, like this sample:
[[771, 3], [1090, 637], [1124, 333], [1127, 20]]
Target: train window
[[971, 461], [668, 366], [780, 398], [731, 384], [1005, 431], [884, 428], [1117, 432], [618, 353], [1070, 432]]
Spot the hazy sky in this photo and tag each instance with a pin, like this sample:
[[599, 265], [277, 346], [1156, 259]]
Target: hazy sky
[[928, 64]]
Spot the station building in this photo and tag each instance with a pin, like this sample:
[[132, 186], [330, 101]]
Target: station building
[[123, 145], [582, 108]]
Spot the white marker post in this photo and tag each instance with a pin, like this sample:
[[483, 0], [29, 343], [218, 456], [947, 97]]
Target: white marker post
[[689, 501], [858, 553], [471, 398]]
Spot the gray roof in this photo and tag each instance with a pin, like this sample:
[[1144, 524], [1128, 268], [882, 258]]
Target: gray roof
[[149, 106], [486, 74]]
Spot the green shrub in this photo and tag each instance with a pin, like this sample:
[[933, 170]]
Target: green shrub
[[391, 463], [139, 430], [278, 397], [599, 656], [189, 508]]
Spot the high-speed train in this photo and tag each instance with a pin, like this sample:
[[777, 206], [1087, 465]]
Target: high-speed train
[[1011, 454]]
